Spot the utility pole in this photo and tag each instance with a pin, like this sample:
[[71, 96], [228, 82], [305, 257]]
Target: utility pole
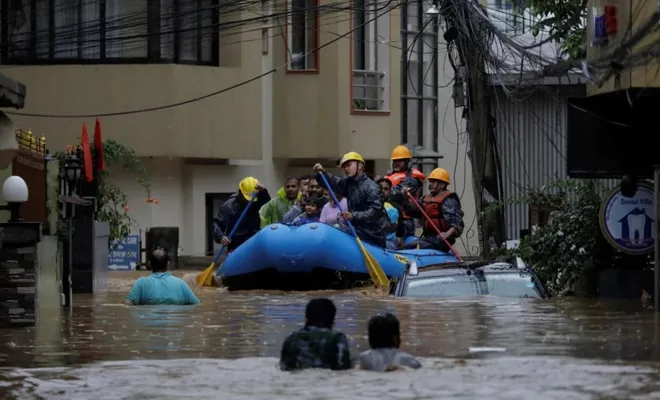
[[485, 171]]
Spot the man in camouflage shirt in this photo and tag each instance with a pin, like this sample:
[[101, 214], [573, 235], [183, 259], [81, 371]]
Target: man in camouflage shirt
[[384, 340], [317, 344]]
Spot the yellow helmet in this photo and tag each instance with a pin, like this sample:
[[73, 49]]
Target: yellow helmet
[[351, 156], [401, 153], [439, 174], [248, 186]]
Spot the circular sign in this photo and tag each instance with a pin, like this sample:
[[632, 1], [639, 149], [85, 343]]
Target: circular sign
[[628, 223]]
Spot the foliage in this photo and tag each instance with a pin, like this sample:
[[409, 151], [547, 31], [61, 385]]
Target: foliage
[[564, 21], [114, 206], [113, 202], [571, 245]]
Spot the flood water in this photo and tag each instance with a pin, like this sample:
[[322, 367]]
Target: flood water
[[228, 347]]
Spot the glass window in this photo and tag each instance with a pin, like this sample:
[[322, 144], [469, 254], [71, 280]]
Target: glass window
[[512, 285], [442, 286], [95, 31]]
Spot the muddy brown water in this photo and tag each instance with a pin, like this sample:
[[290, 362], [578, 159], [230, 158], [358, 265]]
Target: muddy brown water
[[228, 347]]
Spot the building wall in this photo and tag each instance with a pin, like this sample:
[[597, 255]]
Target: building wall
[[531, 139], [226, 125], [631, 16], [259, 127], [313, 109]]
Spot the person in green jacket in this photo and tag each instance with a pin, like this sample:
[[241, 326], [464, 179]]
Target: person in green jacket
[[273, 211]]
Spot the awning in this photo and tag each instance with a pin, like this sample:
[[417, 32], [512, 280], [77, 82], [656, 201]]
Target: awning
[[12, 93]]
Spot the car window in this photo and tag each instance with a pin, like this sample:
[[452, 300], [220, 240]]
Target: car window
[[441, 286], [505, 284], [512, 285]]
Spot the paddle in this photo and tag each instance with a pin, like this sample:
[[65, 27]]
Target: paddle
[[375, 270], [206, 277], [419, 207]]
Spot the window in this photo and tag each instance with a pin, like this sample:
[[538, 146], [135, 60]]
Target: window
[[303, 35], [370, 38], [495, 284], [442, 287], [507, 16], [109, 31], [421, 75]]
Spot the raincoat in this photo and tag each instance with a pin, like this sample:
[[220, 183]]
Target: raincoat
[[274, 211], [229, 213], [365, 202]]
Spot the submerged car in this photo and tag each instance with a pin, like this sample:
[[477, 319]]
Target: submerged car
[[471, 279]]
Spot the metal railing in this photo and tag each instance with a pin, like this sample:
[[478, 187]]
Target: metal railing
[[368, 90]]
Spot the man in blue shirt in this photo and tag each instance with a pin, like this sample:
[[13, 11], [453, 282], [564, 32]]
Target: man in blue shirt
[[161, 288]]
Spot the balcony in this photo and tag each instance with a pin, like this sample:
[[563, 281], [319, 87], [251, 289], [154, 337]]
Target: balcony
[[368, 91]]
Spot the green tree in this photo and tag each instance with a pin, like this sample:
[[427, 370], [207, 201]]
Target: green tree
[[570, 247], [114, 207], [564, 20]]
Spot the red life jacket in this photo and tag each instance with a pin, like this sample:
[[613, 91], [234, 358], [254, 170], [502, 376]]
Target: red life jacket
[[433, 208]]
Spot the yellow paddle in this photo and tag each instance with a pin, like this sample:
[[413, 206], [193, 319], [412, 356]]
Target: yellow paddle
[[206, 277], [375, 270]]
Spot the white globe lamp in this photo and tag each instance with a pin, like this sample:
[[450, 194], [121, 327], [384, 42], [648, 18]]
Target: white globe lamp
[[14, 192]]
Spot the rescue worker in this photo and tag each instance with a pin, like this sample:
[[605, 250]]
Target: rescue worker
[[443, 208], [274, 211], [364, 198], [232, 209], [403, 175]]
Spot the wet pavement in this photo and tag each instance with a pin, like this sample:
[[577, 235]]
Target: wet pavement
[[562, 348]]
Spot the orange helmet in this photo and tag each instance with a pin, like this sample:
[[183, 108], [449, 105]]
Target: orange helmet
[[439, 174], [401, 153]]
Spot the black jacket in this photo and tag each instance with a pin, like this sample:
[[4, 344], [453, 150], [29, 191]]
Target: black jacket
[[229, 213], [365, 201]]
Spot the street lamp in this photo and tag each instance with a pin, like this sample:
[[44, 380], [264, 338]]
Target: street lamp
[[72, 171], [14, 192]]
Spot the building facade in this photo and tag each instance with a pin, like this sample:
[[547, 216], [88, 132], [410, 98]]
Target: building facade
[[207, 92]]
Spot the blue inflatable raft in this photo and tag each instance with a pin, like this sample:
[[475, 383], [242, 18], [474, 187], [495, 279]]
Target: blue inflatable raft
[[311, 257]]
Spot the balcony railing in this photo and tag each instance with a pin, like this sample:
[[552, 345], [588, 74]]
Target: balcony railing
[[368, 90]]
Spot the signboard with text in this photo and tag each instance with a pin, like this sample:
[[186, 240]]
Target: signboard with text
[[628, 223], [125, 255]]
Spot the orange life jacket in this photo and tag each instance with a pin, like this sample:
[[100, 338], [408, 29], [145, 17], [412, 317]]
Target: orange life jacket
[[433, 208], [397, 177]]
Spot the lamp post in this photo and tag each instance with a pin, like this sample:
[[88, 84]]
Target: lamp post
[[14, 192], [72, 171]]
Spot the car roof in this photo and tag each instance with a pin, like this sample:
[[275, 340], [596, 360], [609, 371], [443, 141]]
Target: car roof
[[461, 267]]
